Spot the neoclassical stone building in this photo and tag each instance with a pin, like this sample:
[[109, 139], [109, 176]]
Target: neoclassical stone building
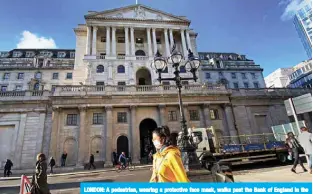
[[114, 100]]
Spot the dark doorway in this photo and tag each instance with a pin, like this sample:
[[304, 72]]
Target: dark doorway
[[174, 138], [146, 127], [143, 77], [140, 53], [142, 81], [122, 145]]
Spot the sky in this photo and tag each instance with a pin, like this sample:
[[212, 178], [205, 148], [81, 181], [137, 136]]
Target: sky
[[260, 29]]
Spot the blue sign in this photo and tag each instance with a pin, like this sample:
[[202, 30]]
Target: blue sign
[[252, 147], [232, 148], [174, 188], [275, 144]]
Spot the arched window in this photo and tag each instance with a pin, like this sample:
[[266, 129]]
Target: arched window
[[100, 69], [121, 69], [140, 53], [182, 69]]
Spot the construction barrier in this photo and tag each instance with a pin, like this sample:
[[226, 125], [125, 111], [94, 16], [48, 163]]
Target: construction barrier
[[25, 186]]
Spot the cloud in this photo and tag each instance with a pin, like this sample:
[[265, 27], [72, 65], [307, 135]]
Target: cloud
[[291, 6], [31, 40]]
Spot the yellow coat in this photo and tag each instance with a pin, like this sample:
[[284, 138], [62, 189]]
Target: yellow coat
[[168, 166]]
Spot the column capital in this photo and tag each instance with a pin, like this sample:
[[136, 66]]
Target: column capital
[[113, 28], [108, 108], [82, 108], [133, 107], [206, 105], [153, 29], [132, 29], [56, 109], [161, 105], [95, 28], [166, 29], [126, 28]]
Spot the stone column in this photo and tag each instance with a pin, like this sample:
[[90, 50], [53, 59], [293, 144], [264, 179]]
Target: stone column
[[149, 41], [183, 42], [113, 41], [40, 133], [126, 42], [55, 135], [20, 141], [231, 124], [167, 46], [155, 48], [188, 40], [108, 41], [82, 144], [171, 38], [131, 129], [94, 40], [88, 40], [132, 40], [109, 134], [207, 116], [104, 134], [162, 116], [131, 74], [110, 72]]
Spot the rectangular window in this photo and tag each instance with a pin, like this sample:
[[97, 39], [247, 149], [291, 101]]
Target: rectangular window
[[53, 88], [166, 85], [6, 76], [120, 39], [194, 115], [29, 54], [71, 119], [233, 75], [214, 114], [218, 65], [69, 75], [122, 117], [20, 76], [207, 75], [256, 85], [121, 86], [18, 88], [139, 40], [236, 86], [243, 75], [100, 86], [103, 39], [97, 118], [38, 75], [246, 85], [253, 75], [172, 116], [4, 88], [55, 76], [158, 40], [72, 54]]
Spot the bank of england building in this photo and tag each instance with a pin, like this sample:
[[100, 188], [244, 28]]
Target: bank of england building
[[104, 94]]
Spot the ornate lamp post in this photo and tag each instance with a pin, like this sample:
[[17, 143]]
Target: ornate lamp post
[[186, 144]]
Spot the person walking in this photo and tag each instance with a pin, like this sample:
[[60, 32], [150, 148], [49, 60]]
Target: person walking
[[39, 182], [7, 168], [305, 139], [167, 162], [63, 159], [91, 162], [114, 158], [51, 164], [122, 159], [295, 147]]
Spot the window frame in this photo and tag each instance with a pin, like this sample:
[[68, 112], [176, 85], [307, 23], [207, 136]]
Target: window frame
[[121, 117], [3, 86], [121, 39], [18, 85], [207, 75], [103, 39], [172, 116], [38, 73], [22, 76], [246, 84], [71, 120], [233, 75], [69, 73], [98, 70], [256, 84], [253, 75], [194, 115], [141, 40], [119, 70], [243, 76], [236, 84], [97, 118], [6, 76], [53, 76], [214, 114]]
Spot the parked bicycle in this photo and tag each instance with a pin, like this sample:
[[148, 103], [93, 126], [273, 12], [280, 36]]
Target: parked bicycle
[[119, 167]]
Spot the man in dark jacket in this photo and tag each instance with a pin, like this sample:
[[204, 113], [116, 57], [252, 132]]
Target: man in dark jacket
[[63, 159], [7, 168], [114, 157], [91, 161], [41, 174], [51, 164]]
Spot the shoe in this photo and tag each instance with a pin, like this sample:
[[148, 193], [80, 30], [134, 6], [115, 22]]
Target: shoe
[[305, 170], [293, 170]]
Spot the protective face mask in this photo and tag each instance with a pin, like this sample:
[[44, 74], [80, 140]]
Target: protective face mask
[[157, 144]]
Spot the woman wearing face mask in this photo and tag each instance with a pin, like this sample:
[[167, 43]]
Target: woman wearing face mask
[[167, 163]]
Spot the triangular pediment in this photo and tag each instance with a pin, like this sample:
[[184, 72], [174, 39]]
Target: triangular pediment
[[140, 12]]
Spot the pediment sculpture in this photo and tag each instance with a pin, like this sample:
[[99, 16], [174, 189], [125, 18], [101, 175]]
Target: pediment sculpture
[[139, 13]]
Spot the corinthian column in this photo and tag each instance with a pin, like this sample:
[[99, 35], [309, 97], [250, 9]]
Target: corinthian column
[[88, 40], [126, 42], [132, 40], [188, 40], [183, 42], [109, 134], [167, 47], [94, 40], [171, 38], [113, 41], [149, 41], [155, 48], [108, 41]]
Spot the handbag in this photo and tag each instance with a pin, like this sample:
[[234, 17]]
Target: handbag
[[34, 186]]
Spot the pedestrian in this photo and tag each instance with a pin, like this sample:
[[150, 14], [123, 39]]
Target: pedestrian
[[39, 182], [63, 159], [7, 168], [91, 161], [167, 162], [122, 159], [305, 139], [295, 148], [114, 157], [51, 164], [151, 156]]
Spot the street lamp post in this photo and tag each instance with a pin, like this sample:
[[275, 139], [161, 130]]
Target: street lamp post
[[160, 63], [186, 144]]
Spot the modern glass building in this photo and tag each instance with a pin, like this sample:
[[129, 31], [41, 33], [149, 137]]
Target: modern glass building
[[302, 75], [303, 24]]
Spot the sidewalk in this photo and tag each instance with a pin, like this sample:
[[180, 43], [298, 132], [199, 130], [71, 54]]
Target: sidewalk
[[66, 171]]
